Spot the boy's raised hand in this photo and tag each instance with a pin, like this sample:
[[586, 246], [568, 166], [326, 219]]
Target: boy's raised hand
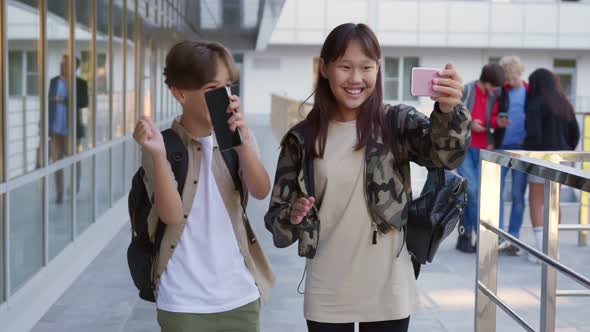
[[149, 137]]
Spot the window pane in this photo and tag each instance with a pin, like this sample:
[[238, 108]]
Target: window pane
[[60, 210], [131, 165], [409, 63], [59, 86], [32, 62], [118, 63], [148, 66], [130, 69], [564, 63], [32, 85], [26, 233], [2, 239], [118, 172], [391, 67], [103, 182], [84, 83], [157, 109], [103, 124], [15, 73], [391, 88], [566, 81], [23, 113], [85, 198]]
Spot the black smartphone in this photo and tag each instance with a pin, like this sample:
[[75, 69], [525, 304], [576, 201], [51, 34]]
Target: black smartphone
[[218, 102]]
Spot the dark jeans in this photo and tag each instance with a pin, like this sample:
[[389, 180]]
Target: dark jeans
[[400, 325]]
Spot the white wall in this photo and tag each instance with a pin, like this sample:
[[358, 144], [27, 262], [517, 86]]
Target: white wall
[[287, 70], [453, 23], [272, 71]]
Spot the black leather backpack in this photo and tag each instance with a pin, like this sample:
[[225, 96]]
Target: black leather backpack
[[435, 214]]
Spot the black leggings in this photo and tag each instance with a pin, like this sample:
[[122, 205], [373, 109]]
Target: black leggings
[[400, 325]]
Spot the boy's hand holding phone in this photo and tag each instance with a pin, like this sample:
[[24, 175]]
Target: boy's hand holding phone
[[149, 137], [232, 132], [237, 120]]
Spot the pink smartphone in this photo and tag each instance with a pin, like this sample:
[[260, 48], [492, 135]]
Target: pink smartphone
[[421, 85]]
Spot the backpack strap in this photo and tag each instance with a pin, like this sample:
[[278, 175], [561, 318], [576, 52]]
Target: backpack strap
[[233, 164], [468, 91], [177, 156]]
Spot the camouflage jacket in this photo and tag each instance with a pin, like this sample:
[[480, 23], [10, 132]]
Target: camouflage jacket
[[440, 142]]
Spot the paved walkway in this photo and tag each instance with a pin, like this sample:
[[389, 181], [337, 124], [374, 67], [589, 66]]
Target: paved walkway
[[104, 299]]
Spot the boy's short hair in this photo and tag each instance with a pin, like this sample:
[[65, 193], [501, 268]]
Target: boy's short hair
[[192, 64], [512, 66], [493, 74]]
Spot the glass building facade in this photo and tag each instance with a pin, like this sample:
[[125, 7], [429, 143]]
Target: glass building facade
[[76, 77]]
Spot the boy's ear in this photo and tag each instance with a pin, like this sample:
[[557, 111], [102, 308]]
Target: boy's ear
[[178, 94], [323, 69]]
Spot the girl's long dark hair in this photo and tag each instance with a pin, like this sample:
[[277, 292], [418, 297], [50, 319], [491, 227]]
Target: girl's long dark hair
[[371, 117], [544, 85]]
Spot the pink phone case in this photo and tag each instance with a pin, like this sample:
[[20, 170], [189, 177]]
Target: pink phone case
[[421, 85]]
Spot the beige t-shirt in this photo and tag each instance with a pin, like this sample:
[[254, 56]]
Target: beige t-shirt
[[350, 279]]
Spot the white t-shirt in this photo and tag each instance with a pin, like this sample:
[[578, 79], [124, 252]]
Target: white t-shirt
[[207, 272]]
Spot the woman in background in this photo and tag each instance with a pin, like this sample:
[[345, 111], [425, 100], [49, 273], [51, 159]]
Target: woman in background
[[551, 125]]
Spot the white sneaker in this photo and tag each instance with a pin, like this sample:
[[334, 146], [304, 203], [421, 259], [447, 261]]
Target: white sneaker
[[503, 244], [511, 250], [533, 259]]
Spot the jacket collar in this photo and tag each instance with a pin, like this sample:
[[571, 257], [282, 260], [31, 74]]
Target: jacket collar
[[185, 136]]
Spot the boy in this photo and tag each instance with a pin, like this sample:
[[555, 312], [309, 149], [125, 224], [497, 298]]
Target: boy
[[210, 272], [479, 98], [511, 101]]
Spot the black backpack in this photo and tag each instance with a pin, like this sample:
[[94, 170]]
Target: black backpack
[[142, 253]]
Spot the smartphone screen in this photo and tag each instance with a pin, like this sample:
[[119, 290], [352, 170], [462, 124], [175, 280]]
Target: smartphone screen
[[421, 85], [217, 103]]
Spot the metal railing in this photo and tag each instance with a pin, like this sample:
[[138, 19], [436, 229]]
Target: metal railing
[[547, 166]]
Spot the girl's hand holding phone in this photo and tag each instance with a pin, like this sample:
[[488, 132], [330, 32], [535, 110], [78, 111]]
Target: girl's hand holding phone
[[450, 86]]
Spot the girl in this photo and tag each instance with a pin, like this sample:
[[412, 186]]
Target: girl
[[342, 185], [551, 125]]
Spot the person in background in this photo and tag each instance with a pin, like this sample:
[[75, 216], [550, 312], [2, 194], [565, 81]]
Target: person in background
[[551, 125], [479, 97], [511, 103], [59, 115]]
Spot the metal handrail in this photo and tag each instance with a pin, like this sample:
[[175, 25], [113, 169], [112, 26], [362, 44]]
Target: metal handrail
[[573, 293], [539, 255], [498, 301], [545, 165]]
